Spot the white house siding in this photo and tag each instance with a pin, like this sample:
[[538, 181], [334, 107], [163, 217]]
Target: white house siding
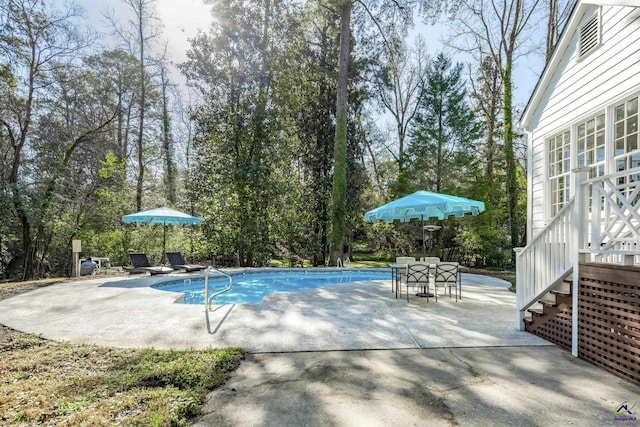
[[578, 90]]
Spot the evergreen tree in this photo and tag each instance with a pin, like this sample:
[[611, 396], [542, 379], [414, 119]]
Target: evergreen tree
[[444, 131]]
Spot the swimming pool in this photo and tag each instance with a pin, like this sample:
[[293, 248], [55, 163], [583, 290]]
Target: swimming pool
[[252, 286]]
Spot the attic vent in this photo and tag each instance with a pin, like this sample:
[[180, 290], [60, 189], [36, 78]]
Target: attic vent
[[589, 36]]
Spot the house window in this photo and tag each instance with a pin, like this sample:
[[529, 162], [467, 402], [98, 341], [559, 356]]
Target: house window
[[625, 134], [559, 168], [590, 145], [589, 35]]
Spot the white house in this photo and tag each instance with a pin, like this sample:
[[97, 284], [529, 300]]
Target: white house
[[584, 109], [583, 153]]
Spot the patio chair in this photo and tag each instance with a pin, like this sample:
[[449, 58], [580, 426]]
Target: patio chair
[[141, 265], [403, 272], [447, 275], [178, 263], [430, 259], [418, 277]]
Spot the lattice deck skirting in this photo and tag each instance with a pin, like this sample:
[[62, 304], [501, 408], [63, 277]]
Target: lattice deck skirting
[[609, 318]]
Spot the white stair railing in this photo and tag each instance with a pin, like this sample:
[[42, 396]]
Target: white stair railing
[[545, 261], [614, 220], [601, 224]]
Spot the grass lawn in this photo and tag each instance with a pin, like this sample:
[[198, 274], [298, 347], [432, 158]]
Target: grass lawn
[[46, 382]]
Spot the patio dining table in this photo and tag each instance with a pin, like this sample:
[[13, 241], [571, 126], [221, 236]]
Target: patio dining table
[[395, 274], [396, 267]]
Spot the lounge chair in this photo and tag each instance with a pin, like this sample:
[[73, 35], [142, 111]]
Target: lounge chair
[[177, 263], [141, 265]]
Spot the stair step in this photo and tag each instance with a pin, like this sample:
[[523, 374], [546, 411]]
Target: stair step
[[551, 315], [548, 300], [564, 300], [564, 287]]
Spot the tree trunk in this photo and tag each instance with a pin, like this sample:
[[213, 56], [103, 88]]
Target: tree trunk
[[512, 184], [491, 149], [340, 148], [143, 100], [14, 177], [440, 142], [167, 143], [552, 29]]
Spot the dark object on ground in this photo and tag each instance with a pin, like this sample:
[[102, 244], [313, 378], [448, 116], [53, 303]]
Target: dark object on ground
[[87, 267]]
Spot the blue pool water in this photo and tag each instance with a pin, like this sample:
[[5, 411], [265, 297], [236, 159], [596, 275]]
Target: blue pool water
[[252, 287]]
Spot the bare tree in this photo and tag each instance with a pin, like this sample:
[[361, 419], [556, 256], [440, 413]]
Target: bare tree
[[499, 30], [558, 13], [168, 149], [35, 41], [486, 91], [119, 69], [143, 29], [398, 87]]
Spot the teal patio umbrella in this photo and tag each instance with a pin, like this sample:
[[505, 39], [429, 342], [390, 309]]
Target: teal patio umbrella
[[164, 216], [424, 205]]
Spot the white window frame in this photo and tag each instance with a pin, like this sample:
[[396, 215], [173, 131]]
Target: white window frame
[[627, 159], [558, 170], [597, 165]]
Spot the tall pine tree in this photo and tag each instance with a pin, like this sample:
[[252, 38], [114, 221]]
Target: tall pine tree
[[444, 131]]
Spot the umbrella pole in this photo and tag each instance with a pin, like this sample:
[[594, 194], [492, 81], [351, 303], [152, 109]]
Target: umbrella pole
[[424, 254], [164, 242]]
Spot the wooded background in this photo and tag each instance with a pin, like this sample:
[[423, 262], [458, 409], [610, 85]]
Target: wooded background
[[276, 142]]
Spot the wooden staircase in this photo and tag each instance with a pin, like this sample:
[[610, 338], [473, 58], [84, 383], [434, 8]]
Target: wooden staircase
[[550, 317]]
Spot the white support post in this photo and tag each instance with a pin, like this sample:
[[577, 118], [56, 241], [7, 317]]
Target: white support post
[[579, 231], [597, 216], [519, 285], [76, 248]]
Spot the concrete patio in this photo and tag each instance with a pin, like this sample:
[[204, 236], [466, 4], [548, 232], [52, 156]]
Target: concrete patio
[[347, 355], [126, 312]]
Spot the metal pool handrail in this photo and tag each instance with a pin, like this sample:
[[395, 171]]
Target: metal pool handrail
[[207, 298]]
